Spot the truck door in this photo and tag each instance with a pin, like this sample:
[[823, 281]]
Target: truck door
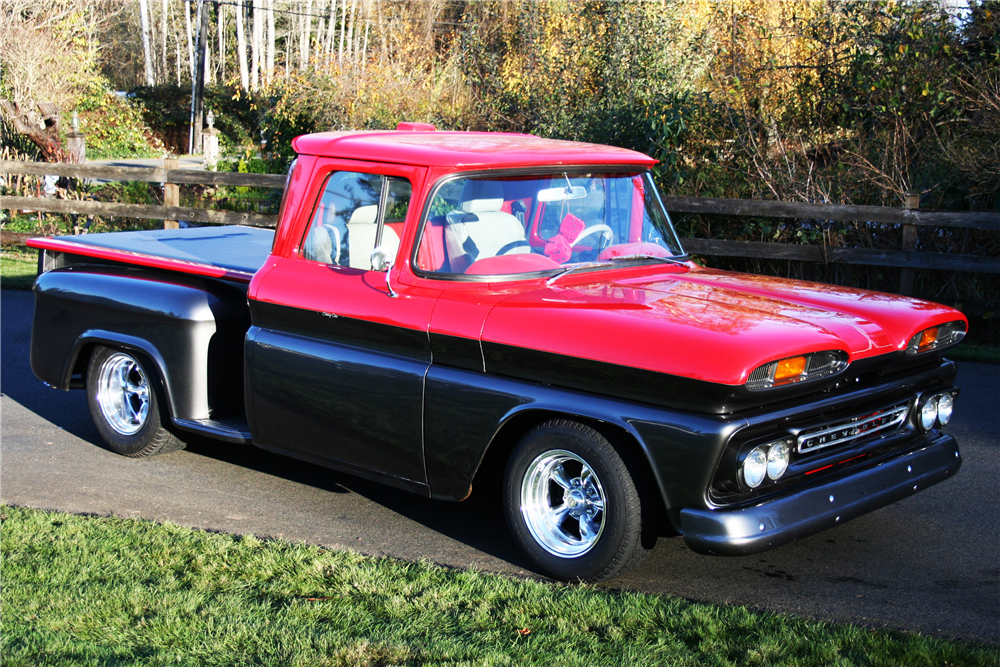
[[335, 364]]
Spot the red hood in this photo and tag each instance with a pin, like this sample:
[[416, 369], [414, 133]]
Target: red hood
[[703, 324]]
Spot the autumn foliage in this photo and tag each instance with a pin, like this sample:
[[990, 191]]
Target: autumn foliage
[[846, 101]]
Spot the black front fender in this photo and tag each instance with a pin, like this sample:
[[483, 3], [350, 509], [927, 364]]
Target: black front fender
[[465, 410]]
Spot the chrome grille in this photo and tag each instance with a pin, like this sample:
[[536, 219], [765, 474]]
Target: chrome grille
[[852, 429], [761, 376]]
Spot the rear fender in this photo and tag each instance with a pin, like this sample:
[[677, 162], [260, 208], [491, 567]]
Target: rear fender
[[191, 328]]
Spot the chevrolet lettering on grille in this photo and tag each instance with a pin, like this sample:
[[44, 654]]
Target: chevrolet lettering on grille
[[851, 429]]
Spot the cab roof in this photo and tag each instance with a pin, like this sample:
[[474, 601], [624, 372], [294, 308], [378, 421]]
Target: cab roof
[[485, 150]]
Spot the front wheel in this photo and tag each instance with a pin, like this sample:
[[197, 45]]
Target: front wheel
[[124, 405], [571, 503]]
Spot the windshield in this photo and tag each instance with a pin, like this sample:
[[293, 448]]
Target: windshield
[[515, 225]]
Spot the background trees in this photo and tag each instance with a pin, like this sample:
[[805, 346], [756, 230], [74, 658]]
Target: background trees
[[846, 100]]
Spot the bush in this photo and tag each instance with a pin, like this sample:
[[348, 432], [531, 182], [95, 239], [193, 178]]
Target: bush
[[115, 127]]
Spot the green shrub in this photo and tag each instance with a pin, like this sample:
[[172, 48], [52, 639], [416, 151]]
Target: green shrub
[[114, 126]]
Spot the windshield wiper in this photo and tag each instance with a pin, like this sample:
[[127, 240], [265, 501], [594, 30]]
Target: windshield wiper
[[669, 260], [610, 262], [575, 267]]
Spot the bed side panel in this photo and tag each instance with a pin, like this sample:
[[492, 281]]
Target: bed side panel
[[191, 328]]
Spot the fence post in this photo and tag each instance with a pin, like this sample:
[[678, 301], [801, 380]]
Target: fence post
[[911, 199], [171, 191]]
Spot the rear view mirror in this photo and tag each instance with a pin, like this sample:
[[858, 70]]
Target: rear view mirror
[[561, 194]]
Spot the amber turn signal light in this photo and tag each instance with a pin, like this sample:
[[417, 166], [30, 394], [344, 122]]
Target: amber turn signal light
[[797, 369], [790, 368], [928, 337], [936, 337]]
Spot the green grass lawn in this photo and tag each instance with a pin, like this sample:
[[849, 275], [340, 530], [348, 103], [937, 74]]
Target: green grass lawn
[[18, 268], [82, 590]]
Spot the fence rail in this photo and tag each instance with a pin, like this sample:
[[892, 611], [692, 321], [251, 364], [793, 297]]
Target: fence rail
[[906, 259], [839, 212], [83, 207], [147, 174]]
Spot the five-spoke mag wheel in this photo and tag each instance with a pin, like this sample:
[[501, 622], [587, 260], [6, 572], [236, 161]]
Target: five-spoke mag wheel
[[572, 504], [562, 503], [123, 394], [124, 406]]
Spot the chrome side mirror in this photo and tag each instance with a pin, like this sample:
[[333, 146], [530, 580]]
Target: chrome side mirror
[[382, 259]]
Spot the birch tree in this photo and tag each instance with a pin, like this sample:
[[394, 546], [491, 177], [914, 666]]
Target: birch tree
[[241, 45], [177, 54], [329, 41], [146, 50], [343, 28], [220, 17], [190, 38], [364, 48], [304, 36], [269, 68], [350, 30], [164, 67], [254, 45]]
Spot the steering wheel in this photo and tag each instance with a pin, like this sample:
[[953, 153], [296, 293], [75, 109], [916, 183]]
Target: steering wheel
[[593, 229]]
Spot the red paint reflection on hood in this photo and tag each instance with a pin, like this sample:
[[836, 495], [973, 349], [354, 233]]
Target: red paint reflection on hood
[[708, 325]]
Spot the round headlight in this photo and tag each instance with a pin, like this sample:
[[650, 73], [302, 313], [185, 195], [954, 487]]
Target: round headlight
[[755, 467], [929, 413], [945, 406], [777, 459]]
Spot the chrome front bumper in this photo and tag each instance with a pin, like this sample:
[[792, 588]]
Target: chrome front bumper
[[749, 530]]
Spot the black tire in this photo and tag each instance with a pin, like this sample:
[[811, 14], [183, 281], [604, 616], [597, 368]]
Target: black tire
[[575, 526], [124, 404]]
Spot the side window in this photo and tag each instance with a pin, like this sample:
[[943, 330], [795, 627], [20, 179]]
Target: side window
[[346, 224]]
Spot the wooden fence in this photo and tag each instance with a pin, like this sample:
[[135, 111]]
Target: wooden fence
[[906, 258]]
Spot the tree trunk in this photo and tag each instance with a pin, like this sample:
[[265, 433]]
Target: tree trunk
[[269, 70], [364, 49], [207, 44], [241, 46], [330, 31], [202, 69], [221, 16], [177, 56], [255, 45], [352, 51], [187, 23], [343, 29], [306, 32], [165, 68], [381, 32], [288, 53], [147, 54], [320, 26], [29, 123]]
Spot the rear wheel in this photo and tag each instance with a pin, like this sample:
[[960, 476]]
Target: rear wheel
[[124, 405], [571, 503]]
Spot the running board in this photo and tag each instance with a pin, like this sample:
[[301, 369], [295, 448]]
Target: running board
[[233, 429]]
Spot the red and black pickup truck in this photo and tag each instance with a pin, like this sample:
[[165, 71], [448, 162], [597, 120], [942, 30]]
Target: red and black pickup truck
[[439, 307]]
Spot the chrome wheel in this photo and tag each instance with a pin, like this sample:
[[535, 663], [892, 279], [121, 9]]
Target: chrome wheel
[[123, 394], [563, 503]]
